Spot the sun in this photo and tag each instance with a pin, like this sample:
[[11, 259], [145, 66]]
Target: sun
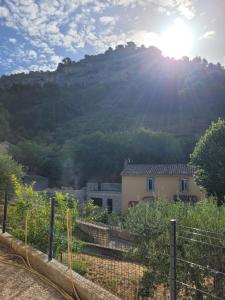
[[177, 41]]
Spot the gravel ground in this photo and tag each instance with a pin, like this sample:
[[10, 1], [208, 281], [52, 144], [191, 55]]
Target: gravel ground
[[18, 284]]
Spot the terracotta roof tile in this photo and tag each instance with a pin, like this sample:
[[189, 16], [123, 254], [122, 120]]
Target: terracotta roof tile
[[163, 169]]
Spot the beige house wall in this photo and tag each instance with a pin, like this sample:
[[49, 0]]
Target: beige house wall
[[134, 188]]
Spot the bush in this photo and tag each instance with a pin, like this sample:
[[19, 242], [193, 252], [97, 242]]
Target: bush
[[8, 168], [150, 225], [35, 207]]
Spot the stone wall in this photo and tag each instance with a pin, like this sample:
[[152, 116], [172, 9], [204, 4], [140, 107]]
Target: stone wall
[[104, 235], [116, 233], [100, 234]]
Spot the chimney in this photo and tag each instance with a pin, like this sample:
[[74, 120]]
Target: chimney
[[126, 162]]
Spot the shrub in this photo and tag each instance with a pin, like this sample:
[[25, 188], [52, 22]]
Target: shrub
[[35, 207], [150, 225]]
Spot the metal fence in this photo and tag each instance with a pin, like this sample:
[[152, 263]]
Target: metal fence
[[201, 276], [195, 256]]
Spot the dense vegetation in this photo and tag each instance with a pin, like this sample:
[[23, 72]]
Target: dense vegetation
[[8, 168], [29, 218], [205, 249], [84, 119], [208, 159]]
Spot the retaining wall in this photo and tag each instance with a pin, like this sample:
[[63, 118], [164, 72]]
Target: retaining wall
[[100, 234], [56, 272]]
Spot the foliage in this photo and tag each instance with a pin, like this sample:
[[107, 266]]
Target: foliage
[[98, 101], [150, 226], [80, 266], [91, 212], [9, 167], [4, 124], [208, 159], [35, 208], [101, 155], [38, 158]]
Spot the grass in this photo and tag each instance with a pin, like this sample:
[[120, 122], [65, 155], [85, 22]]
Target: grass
[[119, 277]]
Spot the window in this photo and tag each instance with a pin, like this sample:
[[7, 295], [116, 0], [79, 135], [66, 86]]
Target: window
[[109, 205], [97, 201], [132, 203], [184, 185], [150, 200], [150, 184]]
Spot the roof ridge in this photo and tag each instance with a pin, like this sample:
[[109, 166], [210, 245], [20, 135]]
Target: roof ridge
[[158, 169]]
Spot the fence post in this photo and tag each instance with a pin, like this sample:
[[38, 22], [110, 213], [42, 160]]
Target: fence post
[[51, 237], [173, 275], [5, 213]]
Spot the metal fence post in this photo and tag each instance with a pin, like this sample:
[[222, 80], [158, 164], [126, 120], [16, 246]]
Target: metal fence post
[[51, 237], [5, 213], [173, 275]]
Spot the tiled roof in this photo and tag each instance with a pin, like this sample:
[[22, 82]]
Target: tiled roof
[[164, 169]]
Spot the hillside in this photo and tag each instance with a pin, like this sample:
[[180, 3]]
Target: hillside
[[116, 93]]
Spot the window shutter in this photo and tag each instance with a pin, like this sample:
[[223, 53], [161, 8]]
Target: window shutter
[[180, 185], [153, 184]]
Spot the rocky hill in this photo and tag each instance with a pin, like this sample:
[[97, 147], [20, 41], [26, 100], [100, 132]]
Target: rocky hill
[[119, 91]]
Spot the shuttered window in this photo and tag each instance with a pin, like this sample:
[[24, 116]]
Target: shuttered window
[[184, 185], [150, 184]]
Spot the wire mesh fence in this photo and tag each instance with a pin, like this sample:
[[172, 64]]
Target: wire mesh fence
[[121, 277], [191, 261], [200, 263]]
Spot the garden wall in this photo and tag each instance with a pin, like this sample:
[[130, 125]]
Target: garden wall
[[56, 272]]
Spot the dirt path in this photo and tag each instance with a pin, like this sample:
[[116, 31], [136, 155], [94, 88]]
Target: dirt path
[[18, 284]]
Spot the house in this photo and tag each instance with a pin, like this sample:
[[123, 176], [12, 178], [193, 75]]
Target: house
[[103, 194], [106, 195], [143, 183]]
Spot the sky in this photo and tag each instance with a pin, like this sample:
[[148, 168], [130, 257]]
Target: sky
[[38, 34]]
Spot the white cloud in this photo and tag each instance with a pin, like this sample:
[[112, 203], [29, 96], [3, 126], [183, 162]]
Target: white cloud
[[144, 37], [107, 20], [208, 35], [49, 26], [187, 11], [4, 12], [12, 40], [56, 59], [181, 7], [32, 54]]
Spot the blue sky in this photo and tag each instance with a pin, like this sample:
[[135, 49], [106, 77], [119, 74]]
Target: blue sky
[[37, 34]]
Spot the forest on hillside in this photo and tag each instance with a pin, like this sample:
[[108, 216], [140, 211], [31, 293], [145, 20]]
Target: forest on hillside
[[84, 119]]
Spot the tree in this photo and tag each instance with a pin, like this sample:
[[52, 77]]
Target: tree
[[208, 159], [67, 61], [131, 45], [8, 168]]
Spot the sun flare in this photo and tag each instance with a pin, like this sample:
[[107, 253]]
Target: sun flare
[[177, 41]]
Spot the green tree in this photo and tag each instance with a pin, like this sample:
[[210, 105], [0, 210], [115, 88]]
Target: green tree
[[208, 160], [39, 158], [9, 167]]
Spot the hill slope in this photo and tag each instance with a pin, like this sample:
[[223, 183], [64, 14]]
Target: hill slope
[[121, 90]]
